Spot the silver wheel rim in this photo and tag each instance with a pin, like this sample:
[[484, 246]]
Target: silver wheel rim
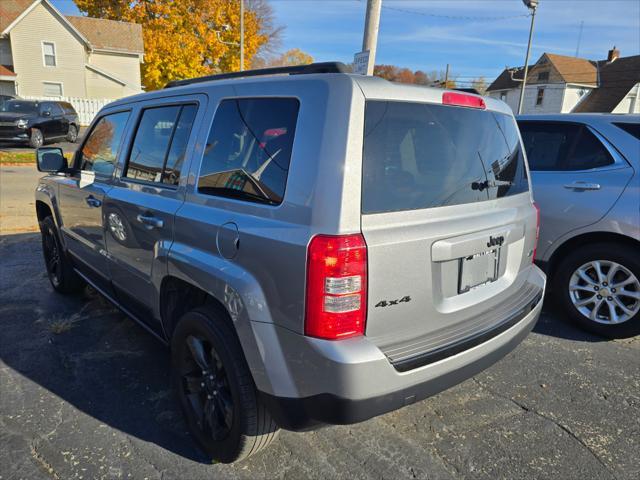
[[605, 292], [116, 227]]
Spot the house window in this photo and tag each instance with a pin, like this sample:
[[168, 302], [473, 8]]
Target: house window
[[49, 54], [540, 96], [543, 76], [52, 89], [503, 96]]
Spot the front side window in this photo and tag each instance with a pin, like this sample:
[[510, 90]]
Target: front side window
[[540, 96], [49, 54], [427, 155], [100, 150], [249, 149], [562, 146], [160, 144]]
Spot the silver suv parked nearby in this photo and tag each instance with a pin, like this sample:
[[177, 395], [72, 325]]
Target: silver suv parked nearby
[[585, 174], [316, 247]]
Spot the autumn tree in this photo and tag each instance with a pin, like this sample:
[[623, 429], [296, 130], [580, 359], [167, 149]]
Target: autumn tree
[[420, 77], [295, 56], [480, 84], [388, 72], [190, 38]]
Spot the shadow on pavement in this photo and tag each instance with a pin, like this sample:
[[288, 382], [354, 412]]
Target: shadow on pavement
[[86, 352], [93, 357]]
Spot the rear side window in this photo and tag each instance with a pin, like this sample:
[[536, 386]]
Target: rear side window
[[424, 156], [100, 150], [68, 108], [553, 146], [249, 149], [159, 146], [630, 128]]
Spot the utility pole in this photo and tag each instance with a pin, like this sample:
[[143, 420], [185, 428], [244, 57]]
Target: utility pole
[[531, 5], [446, 77], [371, 26], [241, 35]]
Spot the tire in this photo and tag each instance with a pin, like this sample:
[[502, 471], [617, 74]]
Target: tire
[[241, 424], [72, 134], [59, 268], [624, 262], [36, 139]]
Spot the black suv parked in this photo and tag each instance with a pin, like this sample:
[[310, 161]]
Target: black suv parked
[[34, 122]]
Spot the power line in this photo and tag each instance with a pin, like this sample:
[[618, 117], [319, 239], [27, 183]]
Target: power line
[[455, 17]]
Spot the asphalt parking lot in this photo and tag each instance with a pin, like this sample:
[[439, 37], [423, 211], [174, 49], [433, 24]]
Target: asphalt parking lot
[[84, 393]]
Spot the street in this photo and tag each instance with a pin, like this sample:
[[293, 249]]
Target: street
[[85, 394]]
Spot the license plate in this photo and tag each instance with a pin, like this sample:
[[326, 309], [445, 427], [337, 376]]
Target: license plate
[[478, 269]]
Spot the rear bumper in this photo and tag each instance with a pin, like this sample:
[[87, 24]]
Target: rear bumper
[[352, 380]]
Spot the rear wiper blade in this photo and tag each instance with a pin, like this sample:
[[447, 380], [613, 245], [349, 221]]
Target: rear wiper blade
[[490, 184]]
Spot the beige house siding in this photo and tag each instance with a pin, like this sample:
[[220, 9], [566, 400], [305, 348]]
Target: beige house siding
[[5, 52], [42, 25], [631, 102], [99, 86], [124, 66]]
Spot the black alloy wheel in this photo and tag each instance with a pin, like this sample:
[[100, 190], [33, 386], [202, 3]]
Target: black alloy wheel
[[205, 385], [52, 259]]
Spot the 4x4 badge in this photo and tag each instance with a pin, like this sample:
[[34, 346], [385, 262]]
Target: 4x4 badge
[[388, 303]]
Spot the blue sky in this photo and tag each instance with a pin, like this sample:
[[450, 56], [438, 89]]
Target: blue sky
[[420, 34]]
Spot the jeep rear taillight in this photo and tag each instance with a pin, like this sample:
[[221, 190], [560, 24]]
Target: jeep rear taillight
[[336, 306], [535, 247]]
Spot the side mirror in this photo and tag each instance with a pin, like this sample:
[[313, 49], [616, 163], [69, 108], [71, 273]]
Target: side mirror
[[46, 113], [51, 160]]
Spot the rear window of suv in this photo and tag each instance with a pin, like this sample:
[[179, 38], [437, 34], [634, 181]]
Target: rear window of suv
[[419, 155]]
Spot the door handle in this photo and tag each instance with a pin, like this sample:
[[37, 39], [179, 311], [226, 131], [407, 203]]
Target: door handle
[[582, 186], [93, 201], [149, 221]]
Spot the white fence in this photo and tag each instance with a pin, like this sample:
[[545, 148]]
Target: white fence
[[87, 108]]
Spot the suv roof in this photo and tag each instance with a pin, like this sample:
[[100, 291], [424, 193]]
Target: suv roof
[[582, 117], [371, 87]]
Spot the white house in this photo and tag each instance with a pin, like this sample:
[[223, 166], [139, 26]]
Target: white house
[[44, 54], [561, 84]]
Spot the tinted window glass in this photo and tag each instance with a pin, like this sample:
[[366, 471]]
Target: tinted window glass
[[178, 148], [100, 151], [68, 108], [249, 148], [56, 110], [588, 153], [151, 143], [630, 128], [422, 156], [562, 146], [548, 144], [20, 106]]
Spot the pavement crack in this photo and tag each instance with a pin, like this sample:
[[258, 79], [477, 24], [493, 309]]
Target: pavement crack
[[43, 463], [561, 426]]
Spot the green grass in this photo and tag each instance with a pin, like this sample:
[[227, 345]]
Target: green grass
[[17, 157], [21, 158]]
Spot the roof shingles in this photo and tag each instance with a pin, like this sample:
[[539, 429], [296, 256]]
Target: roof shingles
[[101, 33], [110, 34]]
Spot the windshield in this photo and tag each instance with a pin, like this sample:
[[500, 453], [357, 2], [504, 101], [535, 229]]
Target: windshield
[[425, 155], [19, 106]]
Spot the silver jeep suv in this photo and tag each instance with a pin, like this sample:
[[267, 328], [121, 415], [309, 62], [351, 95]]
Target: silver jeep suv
[[315, 247]]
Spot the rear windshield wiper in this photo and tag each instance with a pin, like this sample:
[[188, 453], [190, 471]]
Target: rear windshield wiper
[[490, 184]]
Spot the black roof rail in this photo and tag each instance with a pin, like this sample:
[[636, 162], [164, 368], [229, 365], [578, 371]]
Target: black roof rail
[[321, 67], [467, 90]]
